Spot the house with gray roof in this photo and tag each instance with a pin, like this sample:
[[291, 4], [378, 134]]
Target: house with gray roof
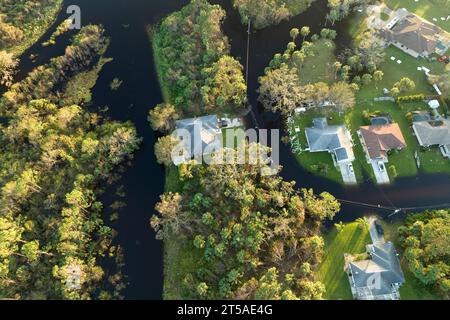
[[434, 133], [378, 276], [200, 136], [336, 140]]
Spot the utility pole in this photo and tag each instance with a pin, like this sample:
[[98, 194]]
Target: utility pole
[[248, 50]]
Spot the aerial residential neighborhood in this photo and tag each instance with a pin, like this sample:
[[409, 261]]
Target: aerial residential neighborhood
[[377, 142], [201, 151], [335, 140]]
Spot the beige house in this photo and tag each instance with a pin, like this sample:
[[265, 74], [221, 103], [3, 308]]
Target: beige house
[[415, 35]]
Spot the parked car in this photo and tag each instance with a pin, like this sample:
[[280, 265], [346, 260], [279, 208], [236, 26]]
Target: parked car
[[350, 168], [381, 166]]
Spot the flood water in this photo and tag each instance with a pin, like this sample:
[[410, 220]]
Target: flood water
[[125, 21]]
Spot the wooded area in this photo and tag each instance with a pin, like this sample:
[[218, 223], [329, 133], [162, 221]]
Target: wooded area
[[54, 154]]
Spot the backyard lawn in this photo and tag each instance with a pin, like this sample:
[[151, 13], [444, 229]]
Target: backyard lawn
[[425, 8], [351, 240], [319, 163], [432, 161], [319, 68]]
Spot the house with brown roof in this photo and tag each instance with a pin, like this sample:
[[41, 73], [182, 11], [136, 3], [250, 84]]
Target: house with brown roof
[[378, 140], [415, 35]]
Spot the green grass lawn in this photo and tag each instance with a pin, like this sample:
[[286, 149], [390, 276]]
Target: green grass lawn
[[353, 240], [317, 162], [427, 9], [331, 271], [319, 68], [432, 161], [180, 258]]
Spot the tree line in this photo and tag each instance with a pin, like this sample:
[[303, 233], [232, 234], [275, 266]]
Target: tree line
[[263, 13]]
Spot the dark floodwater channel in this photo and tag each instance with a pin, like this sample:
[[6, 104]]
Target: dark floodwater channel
[[125, 22]]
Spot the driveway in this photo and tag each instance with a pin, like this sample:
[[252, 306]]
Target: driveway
[[374, 234], [348, 176], [381, 176]]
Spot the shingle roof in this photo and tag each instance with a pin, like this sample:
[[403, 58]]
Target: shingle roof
[[380, 271], [380, 139], [416, 34], [336, 139], [204, 131], [430, 133]]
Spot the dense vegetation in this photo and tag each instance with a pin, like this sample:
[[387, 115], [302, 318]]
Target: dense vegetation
[[53, 156], [191, 55], [264, 13], [283, 86], [229, 232], [426, 241], [255, 236], [339, 9], [22, 22], [442, 80]]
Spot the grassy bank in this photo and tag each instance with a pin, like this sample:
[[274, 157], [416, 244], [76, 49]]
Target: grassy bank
[[351, 239], [153, 35]]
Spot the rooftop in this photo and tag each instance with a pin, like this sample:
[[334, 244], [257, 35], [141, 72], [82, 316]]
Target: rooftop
[[380, 271], [334, 139], [380, 139], [430, 133], [204, 135]]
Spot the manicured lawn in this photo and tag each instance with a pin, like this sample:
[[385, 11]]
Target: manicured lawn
[[351, 240], [424, 8], [432, 161], [393, 72], [319, 68], [319, 163]]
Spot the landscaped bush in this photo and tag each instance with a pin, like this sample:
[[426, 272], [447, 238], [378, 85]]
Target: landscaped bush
[[411, 98], [410, 117], [393, 171]]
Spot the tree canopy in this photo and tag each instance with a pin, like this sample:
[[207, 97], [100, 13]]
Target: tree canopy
[[426, 240], [257, 236], [53, 157]]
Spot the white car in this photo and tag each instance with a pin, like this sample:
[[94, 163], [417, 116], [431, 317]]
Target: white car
[[350, 168], [381, 166]]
